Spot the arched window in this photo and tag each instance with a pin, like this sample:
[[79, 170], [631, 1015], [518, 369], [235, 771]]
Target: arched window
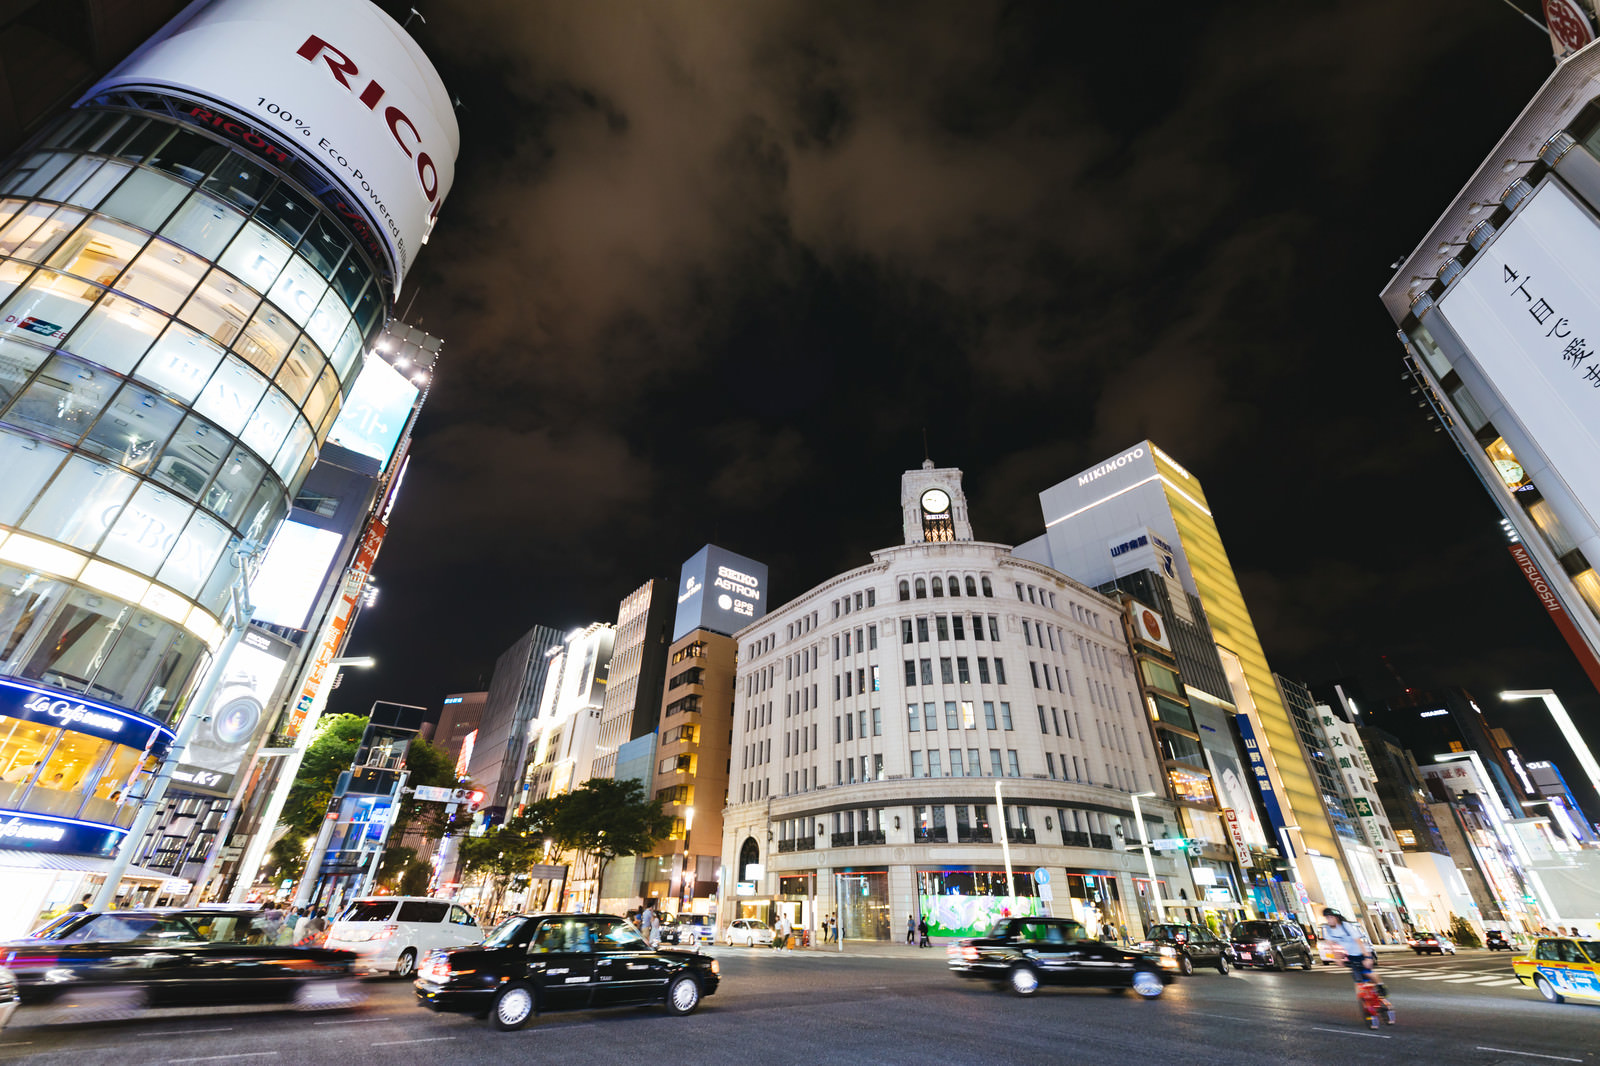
[[988, 590], [905, 590], [955, 585], [749, 855], [938, 587], [922, 589], [972, 587]]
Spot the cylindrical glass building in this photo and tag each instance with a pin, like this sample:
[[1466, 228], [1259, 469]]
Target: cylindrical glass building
[[186, 294]]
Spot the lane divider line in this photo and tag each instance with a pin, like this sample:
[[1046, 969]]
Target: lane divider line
[[1527, 1054], [1349, 1032]]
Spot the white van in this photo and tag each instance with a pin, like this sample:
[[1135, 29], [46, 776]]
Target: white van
[[391, 934]]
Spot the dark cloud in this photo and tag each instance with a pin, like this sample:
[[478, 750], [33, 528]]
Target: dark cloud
[[712, 270]]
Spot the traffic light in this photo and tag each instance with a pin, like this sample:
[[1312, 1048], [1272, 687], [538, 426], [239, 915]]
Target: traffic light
[[476, 799]]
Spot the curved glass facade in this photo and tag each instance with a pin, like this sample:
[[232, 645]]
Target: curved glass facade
[[179, 326]]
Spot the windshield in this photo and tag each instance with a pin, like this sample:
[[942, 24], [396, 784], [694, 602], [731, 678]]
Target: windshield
[[368, 910], [1258, 930], [118, 929], [1167, 932], [504, 933], [1591, 948]]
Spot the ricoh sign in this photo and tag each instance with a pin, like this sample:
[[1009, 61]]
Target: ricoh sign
[[719, 591], [336, 82]]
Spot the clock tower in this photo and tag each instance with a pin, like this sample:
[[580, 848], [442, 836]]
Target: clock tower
[[933, 506]]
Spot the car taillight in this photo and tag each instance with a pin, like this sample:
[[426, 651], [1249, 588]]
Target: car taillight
[[386, 932]]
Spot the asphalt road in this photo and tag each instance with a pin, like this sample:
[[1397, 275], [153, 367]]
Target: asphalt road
[[888, 1005]]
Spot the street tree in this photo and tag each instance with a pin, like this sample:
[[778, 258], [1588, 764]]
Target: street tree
[[605, 818], [326, 758]]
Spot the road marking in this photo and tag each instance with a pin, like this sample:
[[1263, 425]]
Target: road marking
[[218, 1058], [1348, 1032], [1527, 1054], [350, 1021], [19, 1043], [420, 1040], [186, 1032]]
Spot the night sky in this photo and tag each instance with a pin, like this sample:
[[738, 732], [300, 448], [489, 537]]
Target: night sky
[[709, 270]]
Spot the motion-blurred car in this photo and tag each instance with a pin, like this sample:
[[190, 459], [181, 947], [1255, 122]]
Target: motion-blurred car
[[1024, 953], [1561, 968], [1271, 945], [1425, 943], [749, 932], [533, 964], [696, 929], [9, 999], [122, 961], [1181, 947], [1496, 940], [391, 934]]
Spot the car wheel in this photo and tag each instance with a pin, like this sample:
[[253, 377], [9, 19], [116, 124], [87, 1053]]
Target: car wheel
[[1222, 965], [1546, 991], [1277, 962], [1022, 980], [1147, 984], [513, 1007], [407, 964], [683, 995], [1308, 965], [1185, 965]]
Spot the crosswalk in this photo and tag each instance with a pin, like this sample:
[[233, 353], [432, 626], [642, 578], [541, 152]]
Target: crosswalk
[[1481, 978]]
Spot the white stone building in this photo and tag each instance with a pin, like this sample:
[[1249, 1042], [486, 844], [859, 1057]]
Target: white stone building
[[876, 714]]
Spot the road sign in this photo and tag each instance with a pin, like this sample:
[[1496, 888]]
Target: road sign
[[1041, 876], [1172, 844], [1044, 891]]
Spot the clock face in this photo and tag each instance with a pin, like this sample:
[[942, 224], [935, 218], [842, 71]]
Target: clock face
[[936, 501]]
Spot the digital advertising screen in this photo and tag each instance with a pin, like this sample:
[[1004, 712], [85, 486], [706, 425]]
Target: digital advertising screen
[[375, 413], [720, 591], [287, 584]]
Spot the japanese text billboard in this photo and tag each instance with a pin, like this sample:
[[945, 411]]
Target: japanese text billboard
[[372, 419]]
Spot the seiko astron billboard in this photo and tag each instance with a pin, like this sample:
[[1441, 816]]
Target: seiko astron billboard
[[719, 591], [338, 80]]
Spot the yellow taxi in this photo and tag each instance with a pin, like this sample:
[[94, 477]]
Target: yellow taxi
[[1561, 968]]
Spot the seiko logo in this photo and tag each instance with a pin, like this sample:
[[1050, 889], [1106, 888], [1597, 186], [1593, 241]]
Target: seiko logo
[[730, 580], [344, 68], [18, 829], [66, 712], [1112, 465], [690, 587]]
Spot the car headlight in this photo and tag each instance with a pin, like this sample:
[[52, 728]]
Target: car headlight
[[1263, 945], [716, 967], [1168, 951]]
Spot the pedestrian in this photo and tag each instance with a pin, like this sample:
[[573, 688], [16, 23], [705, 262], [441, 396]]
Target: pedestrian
[[780, 929], [922, 933], [316, 930], [1108, 932], [647, 923], [302, 915], [911, 929]]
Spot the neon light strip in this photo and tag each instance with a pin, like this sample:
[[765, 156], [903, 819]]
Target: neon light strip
[[56, 694], [1203, 508], [1101, 500], [57, 818]]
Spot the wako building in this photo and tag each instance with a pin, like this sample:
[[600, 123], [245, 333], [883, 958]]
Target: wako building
[[192, 264], [1499, 312], [898, 726]]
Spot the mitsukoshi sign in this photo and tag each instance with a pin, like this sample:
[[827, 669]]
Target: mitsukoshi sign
[[336, 81]]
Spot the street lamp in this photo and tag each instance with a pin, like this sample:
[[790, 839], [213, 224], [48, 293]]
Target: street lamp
[[1564, 722], [1149, 860]]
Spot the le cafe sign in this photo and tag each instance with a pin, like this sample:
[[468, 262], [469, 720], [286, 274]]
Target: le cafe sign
[[49, 708]]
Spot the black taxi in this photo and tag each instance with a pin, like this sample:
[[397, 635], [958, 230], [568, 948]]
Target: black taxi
[[1023, 953], [536, 963]]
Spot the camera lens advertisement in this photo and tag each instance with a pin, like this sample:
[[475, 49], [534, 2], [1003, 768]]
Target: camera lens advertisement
[[236, 715]]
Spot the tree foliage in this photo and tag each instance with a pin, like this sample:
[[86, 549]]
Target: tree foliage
[[326, 758], [604, 818]]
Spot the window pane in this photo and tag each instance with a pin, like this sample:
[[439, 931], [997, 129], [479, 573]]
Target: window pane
[[220, 307], [60, 787], [266, 509], [18, 361], [116, 333], [98, 250], [33, 173], [255, 257], [298, 290], [145, 532], [204, 225], [368, 310], [180, 363], [188, 155], [351, 279], [325, 246], [70, 650], [214, 595], [269, 425], [240, 181], [26, 604], [191, 457], [299, 370], [64, 399], [142, 139], [47, 306], [164, 276], [80, 503], [266, 339], [92, 191], [133, 429], [286, 212], [344, 354], [194, 555], [70, 178], [323, 395], [293, 450], [28, 464], [145, 199], [236, 482], [329, 322], [21, 225], [231, 395]]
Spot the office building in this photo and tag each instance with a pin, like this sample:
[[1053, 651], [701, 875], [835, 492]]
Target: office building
[[566, 728], [638, 663], [1141, 510], [188, 295], [455, 730], [516, 688], [1498, 310], [900, 725]]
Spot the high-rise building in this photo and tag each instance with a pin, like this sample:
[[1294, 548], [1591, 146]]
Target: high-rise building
[[516, 689], [459, 718], [566, 728], [638, 664], [900, 725], [189, 287], [1141, 510], [1498, 310]]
